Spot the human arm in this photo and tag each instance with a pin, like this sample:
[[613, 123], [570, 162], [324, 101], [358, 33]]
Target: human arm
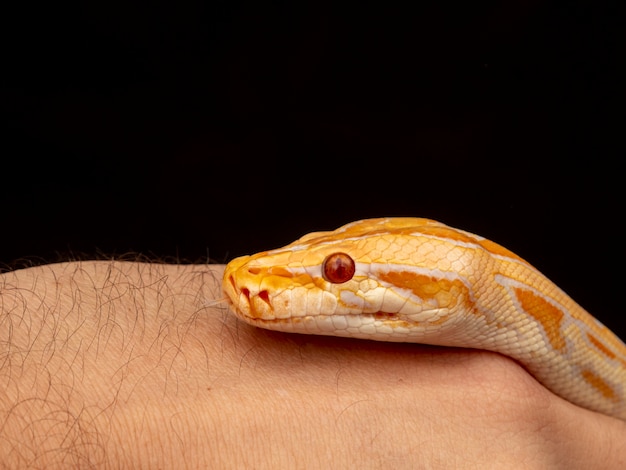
[[126, 364]]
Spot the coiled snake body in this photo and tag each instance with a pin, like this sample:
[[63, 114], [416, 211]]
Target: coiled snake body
[[417, 280]]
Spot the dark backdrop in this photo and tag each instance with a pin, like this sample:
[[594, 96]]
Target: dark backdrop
[[181, 130]]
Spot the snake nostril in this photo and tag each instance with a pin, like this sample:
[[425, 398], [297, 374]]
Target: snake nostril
[[254, 270]]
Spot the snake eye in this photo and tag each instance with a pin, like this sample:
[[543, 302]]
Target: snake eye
[[338, 268]]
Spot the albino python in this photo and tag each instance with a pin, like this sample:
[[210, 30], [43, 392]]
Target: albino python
[[417, 280]]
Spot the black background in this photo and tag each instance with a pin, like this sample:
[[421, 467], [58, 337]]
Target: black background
[[181, 130]]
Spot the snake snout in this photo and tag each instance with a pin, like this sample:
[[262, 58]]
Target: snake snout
[[257, 291], [249, 302]]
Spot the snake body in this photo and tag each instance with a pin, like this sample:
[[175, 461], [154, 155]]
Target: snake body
[[418, 280]]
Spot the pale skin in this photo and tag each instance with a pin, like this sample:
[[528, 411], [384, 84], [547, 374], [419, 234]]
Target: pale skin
[[131, 365]]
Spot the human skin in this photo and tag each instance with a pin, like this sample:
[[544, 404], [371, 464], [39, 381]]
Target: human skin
[[110, 364]]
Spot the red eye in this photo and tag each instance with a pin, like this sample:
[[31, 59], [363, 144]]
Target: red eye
[[338, 268]]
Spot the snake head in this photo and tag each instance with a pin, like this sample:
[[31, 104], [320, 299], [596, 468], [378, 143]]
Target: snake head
[[376, 279]]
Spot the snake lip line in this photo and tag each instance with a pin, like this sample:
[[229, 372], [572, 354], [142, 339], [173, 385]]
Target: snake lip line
[[377, 326]]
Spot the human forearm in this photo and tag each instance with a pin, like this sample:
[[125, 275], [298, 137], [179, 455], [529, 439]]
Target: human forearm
[[129, 364]]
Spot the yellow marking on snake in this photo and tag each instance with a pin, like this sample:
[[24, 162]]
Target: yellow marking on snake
[[545, 313], [444, 292], [597, 382], [417, 280]]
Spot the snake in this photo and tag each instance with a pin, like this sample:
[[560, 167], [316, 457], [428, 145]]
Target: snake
[[416, 280]]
